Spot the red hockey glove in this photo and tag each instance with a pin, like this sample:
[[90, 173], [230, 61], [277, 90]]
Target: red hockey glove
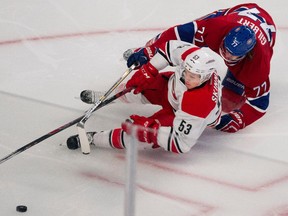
[[142, 78], [139, 56], [147, 130], [231, 122]]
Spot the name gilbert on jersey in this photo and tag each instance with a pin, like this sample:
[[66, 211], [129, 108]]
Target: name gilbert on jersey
[[258, 24], [255, 28]]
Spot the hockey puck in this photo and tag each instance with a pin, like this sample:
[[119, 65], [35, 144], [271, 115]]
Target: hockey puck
[[21, 208]]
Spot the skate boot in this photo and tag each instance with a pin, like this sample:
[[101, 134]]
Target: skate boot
[[73, 142], [90, 96]]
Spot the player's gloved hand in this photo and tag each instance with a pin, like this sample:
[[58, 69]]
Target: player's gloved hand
[[139, 56], [142, 78], [231, 122], [146, 131]]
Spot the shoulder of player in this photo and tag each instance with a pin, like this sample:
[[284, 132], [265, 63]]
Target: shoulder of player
[[254, 70], [244, 5], [200, 101]]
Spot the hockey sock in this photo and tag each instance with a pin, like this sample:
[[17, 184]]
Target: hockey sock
[[115, 138]]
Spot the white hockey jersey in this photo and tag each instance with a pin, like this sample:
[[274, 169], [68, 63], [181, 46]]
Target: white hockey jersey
[[195, 109]]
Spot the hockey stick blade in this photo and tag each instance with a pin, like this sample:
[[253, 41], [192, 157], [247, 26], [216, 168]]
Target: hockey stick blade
[[61, 128], [85, 146]]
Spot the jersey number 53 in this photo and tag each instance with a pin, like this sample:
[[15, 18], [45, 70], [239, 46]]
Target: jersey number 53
[[185, 127]]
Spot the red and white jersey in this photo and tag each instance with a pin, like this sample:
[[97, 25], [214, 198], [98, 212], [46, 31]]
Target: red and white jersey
[[253, 71], [195, 109]]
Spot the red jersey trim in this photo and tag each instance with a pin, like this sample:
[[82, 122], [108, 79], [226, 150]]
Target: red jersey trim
[[188, 52]]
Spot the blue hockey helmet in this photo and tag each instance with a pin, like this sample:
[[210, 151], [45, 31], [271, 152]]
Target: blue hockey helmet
[[240, 40]]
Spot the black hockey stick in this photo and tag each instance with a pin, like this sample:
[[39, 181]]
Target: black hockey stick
[[52, 133], [85, 146]]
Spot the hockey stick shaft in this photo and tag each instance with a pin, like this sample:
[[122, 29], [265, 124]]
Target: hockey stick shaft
[[63, 127], [85, 145], [102, 98]]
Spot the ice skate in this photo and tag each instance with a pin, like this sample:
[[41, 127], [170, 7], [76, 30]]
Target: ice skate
[[90, 96]]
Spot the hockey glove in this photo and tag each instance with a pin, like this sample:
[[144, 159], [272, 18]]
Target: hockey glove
[[142, 78], [146, 131], [140, 56], [231, 122]]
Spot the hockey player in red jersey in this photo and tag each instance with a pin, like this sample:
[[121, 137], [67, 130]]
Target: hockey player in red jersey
[[243, 36], [189, 98]]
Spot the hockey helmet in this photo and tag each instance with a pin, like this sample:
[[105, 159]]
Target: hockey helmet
[[240, 40], [201, 63]]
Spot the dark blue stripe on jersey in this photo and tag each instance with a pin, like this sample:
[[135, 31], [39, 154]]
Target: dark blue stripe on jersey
[[241, 9], [219, 13], [157, 37], [177, 144], [122, 139], [110, 139], [259, 17], [164, 55], [262, 102], [254, 14], [186, 32], [215, 14], [168, 53], [169, 139]]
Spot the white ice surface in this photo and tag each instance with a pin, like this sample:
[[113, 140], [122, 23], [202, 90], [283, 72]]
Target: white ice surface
[[51, 50]]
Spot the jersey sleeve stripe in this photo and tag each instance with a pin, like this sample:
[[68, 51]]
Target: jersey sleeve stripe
[[177, 33], [169, 139], [116, 138], [261, 103], [166, 53], [213, 124], [185, 32], [173, 144]]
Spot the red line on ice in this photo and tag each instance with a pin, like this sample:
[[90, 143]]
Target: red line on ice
[[201, 207], [209, 179], [76, 35], [91, 33]]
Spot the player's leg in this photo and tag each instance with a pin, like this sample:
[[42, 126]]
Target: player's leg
[[116, 139], [157, 91], [155, 94]]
